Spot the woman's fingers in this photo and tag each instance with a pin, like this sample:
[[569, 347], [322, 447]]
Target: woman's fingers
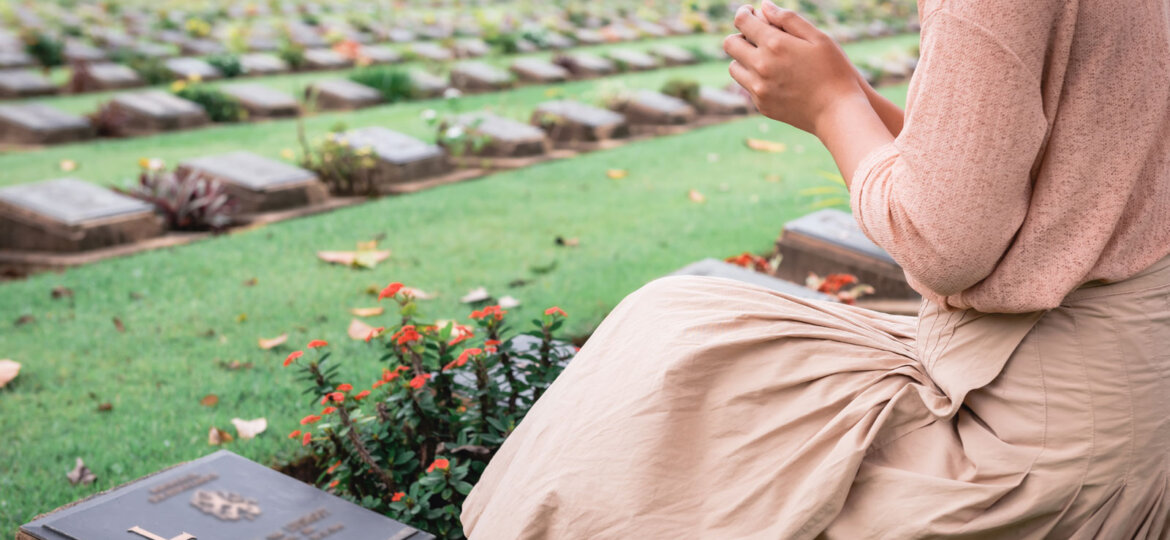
[[754, 28], [738, 48], [789, 21], [745, 77]]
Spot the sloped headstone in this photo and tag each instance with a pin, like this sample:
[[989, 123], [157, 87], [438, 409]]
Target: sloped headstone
[[630, 60], [187, 68], [647, 107], [69, 215], [10, 59], [722, 102], [34, 123], [536, 70], [479, 77], [673, 55], [472, 48], [153, 50], [305, 36], [259, 184], [380, 54], [262, 64], [16, 83], [651, 29], [76, 51], [326, 59], [400, 157], [424, 84], [104, 76], [153, 111], [573, 121], [719, 269], [400, 35], [587, 36], [432, 52], [505, 137], [201, 47], [342, 94], [584, 65], [557, 41], [263, 102]]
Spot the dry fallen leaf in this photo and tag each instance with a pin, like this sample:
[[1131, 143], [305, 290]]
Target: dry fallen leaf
[[774, 178], [217, 436], [359, 330], [695, 196], [367, 311], [272, 343], [478, 294], [61, 292], [210, 400], [105, 407], [119, 326], [81, 475], [617, 174], [25, 319], [359, 259], [9, 369], [248, 429], [761, 145], [509, 302], [251, 282], [567, 242]]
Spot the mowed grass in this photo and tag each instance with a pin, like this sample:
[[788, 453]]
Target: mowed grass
[[188, 312], [114, 161]]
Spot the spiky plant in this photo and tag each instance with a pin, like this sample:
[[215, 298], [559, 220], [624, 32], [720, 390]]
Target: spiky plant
[[189, 200]]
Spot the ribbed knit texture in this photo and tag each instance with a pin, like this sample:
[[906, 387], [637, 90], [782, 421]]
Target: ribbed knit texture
[[1035, 156]]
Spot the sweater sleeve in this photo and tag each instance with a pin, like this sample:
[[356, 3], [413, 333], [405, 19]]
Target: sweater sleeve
[[947, 197]]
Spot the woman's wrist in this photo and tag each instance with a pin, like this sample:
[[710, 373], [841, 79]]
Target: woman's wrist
[[850, 128]]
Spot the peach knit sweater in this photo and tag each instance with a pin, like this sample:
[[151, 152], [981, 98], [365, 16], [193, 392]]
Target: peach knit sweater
[[1036, 152]]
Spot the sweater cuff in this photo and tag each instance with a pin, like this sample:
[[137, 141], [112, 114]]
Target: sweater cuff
[[869, 168]]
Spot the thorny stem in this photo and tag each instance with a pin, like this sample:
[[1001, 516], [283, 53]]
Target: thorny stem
[[481, 382], [506, 361], [363, 452], [545, 360]]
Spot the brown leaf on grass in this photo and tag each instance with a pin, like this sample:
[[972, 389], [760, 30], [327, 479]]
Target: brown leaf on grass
[[105, 407], [367, 311], [60, 292], [359, 330], [358, 259], [81, 475], [509, 302], [617, 174], [478, 294], [774, 178], [9, 369], [772, 147], [210, 400], [119, 326], [217, 436], [272, 343], [567, 242], [24, 319], [248, 429], [251, 282], [235, 365], [695, 196]]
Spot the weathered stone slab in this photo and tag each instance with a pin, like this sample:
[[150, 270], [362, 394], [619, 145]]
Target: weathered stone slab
[[68, 215], [400, 35], [201, 47], [425, 84], [380, 55], [187, 68], [647, 107], [673, 55], [401, 158], [259, 184], [326, 59], [620, 32], [342, 94], [651, 29], [104, 76], [573, 121], [263, 102], [153, 50], [154, 111], [432, 52], [306, 36], [15, 58], [558, 41], [76, 51], [16, 83], [436, 31], [220, 496], [472, 48], [535, 70], [719, 269], [507, 138], [630, 60], [34, 123], [479, 77], [830, 242], [722, 102], [262, 64], [588, 36], [678, 27], [584, 65]]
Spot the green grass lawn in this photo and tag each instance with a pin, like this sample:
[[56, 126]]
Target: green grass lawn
[[187, 311]]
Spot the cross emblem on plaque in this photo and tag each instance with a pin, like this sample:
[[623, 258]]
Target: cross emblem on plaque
[[151, 536]]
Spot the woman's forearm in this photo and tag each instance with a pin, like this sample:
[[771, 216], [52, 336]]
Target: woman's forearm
[[892, 115], [851, 128]]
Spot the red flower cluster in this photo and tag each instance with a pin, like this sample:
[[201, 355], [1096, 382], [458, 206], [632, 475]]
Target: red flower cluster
[[751, 262], [463, 357], [296, 433], [462, 333], [375, 332], [317, 343], [361, 395], [489, 312], [419, 380], [440, 463], [311, 419], [397, 497], [556, 311], [344, 387], [328, 410], [835, 282], [333, 467], [307, 439], [336, 397], [390, 291], [293, 356], [406, 335]]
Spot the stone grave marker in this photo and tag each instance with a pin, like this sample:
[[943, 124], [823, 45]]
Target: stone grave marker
[[673, 55], [584, 65], [104, 76], [506, 138], [219, 496], [201, 47], [262, 64], [15, 58], [620, 32], [678, 27], [258, 184], [647, 107], [588, 36], [305, 36], [16, 83], [263, 102], [572, 121], [154, 111], [425, 84], [651, 29], [69, 215], [535, 70], [173, 37], [721, 269], [830, 242], [380, 54], [479, 77], [401, 158], [263, 43], [722, 102], [326, 59], [187, 67], [342, 94], [558, 41], [631, 60], [436, 31], [432, 52], [76, 51], [400, 35], [153, 50], [33, 123], [472, 48]]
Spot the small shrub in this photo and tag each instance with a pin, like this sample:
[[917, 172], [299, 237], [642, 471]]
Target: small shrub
[[187, 199], [197, 28], [220, 107], [345, 170], [414, 443], [292, 53], [151, 69], [227, 63], [684, 89], [459, 139], [393, 83], [50, 52]]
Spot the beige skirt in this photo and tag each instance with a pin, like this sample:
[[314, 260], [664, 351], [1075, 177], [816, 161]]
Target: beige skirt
[[705, 408]]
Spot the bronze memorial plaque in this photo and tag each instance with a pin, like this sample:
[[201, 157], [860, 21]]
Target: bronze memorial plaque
[[218, 497]]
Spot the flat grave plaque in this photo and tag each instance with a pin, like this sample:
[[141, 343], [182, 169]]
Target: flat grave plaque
[[829, 242], [262, 64], [306, 36], [263, 43], [647, 107], [678, 27], [219, 496], [539, 71], [673, 55], [425, 84], [67, 215], [506, 137], [620, 32], [153, 50], [201, 47], [326, 59], [573, 121], [723, 102], [557, 41], [401, 158], [400, 35], [632, 60], [186, 68], [34, 123], [152, 111], [721, 269], [76, 51], [472, 48], [588, 36], [16, 83], [380, 54], [10, 59], [259, 184], [105, 76], [342, 94], [651, 29], [583, 65], [436, 31], [263, 102], [479, 77], [432, 52]]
